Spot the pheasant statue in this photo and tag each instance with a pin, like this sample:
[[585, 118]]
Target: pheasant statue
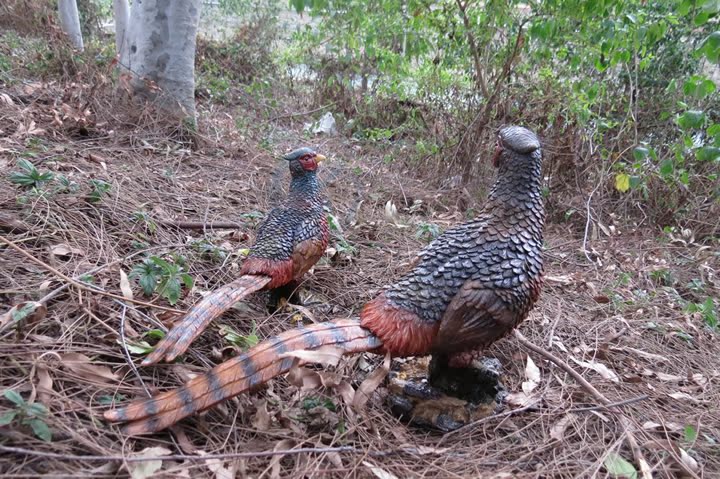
[[471, 286], [289, 242]]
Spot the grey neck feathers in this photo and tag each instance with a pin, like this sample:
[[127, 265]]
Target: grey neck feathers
[[517, 190], [305, 187]]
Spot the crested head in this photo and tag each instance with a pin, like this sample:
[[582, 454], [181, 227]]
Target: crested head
[[303, 160], [515, 140]]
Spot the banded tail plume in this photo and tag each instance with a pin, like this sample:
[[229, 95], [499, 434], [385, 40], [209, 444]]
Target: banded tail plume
[[289, 242], [471, 286], [258, 365]]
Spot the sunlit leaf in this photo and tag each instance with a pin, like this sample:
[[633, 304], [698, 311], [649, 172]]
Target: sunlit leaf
[[618, 467], [622, 182]]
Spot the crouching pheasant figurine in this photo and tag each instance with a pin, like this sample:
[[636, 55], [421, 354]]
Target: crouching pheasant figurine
[[289, 242], [471, 286]]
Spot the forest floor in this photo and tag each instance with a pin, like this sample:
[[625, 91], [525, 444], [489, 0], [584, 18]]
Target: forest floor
[[616, 315]]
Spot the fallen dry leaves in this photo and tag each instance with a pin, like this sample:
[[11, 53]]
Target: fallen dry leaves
[[83, 366]]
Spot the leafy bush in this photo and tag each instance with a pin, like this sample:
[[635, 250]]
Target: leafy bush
[[624, 79]]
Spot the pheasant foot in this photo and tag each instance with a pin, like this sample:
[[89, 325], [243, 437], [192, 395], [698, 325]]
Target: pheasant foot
[[430, 393], [288, 293]]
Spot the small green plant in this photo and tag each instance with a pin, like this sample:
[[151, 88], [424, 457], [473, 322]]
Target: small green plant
[[32, 415], [342, 245], [314, 401], [144, 218], [707, 312], [242, 341], [30, 176], [662, 276], [156, 275], [209, 250], [696, 285], [427, 231], [378, 134], [99, 189]]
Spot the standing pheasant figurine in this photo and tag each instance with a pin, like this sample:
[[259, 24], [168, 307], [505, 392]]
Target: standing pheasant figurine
[[289, 242], [472, 286]]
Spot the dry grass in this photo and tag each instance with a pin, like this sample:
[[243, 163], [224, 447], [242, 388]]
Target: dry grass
[[614, 311]]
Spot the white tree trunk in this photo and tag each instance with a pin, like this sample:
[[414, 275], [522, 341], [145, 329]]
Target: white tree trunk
[[122, 19], [70, 22], [159, 53]]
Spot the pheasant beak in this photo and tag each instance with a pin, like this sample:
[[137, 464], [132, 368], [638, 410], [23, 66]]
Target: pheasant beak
[[320, 158]]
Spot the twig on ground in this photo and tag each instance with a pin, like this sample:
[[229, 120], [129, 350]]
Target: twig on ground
[[302, 113], [611, 405], [624, 421], [201, 225], [79, 285], [126, 352]]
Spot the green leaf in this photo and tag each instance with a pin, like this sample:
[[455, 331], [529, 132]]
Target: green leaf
[[685, 7], [26, 165], [685, 178], [711, 47], [107, 400], [41, 429], [21, 179], [170, 290], [140, 347], [714, 130], [187, 280], [666, 168], [699, 87], [708, 153], [237, 339], [14, 397], [37, 409], [690, 433], [148, 283], [701, 18], [155, 334], [7, 417], [616, 466], [691, 119], [622, 182], [640, 153]]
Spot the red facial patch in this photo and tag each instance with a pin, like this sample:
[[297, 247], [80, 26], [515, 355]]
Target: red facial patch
[[496, 156], [402, 332], [281, 272], [308, 163]]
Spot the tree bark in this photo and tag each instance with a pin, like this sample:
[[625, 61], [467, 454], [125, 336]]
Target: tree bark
[[159, 54], [70, 22], [122, 19]]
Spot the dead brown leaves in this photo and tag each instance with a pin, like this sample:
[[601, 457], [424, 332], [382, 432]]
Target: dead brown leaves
[[84, 367]]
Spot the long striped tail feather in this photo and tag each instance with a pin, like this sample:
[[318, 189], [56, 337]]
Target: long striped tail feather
[[248, 370], [178, 340]]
